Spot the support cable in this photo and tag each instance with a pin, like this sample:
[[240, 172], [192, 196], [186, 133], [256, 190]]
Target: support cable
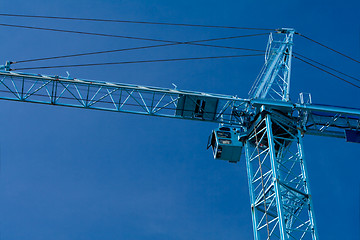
[[323, 45], [102, 34], [354, 78], [342, 79], [81, 32], [130, 21], [141, 61], [197, 42]]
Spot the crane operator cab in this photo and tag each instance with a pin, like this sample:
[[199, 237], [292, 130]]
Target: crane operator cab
[[225, 143]]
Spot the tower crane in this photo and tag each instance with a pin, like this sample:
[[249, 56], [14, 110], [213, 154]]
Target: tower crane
[[267, 126]]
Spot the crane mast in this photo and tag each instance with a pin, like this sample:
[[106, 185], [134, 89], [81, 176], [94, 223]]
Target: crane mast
[[273, 81], [281, 204], [267, 126]]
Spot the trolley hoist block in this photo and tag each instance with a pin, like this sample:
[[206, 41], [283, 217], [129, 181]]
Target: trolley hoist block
[[226, 144]]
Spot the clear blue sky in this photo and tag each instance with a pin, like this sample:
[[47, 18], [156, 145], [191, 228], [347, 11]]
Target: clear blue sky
[[76, 174]]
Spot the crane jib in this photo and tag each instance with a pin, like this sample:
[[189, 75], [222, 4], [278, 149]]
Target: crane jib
[[316, 119]]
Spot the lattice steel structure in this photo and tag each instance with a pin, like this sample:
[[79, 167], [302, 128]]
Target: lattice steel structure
[[281, 204], [273, 81], [267, 125]]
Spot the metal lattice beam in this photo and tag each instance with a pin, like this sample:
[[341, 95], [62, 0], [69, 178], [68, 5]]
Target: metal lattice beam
[[281, 204], [224, 109], [124, 98], [273, 81], [172, 103]]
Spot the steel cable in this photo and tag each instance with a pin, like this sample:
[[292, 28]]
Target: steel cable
[[323, 45], [102, 34], [342, 79], [354, 78], [131, 21], [141, 61], [197, 42]]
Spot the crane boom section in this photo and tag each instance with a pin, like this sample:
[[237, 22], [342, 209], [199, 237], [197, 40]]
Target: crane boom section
[[162, 102], [106, 96], [316, 119]]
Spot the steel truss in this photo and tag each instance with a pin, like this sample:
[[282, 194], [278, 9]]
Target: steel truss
[[162, 102], [273, 81], [281, 204], [115, 97]]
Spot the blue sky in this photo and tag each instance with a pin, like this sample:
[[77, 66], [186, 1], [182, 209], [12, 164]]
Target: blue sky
[[76, 174]]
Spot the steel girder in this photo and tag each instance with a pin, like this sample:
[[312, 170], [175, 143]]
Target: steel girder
[[330, 124], [273, 81], [153, 101], [315, 119], [126, 98], [281, 204]]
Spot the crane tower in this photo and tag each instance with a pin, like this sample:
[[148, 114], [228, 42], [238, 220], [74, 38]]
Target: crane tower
[[267, 126]]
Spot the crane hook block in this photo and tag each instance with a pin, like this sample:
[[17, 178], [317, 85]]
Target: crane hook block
[[225, 143]]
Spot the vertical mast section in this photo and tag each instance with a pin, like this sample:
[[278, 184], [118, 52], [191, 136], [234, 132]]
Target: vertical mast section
[[281, 203], [273, 81]]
